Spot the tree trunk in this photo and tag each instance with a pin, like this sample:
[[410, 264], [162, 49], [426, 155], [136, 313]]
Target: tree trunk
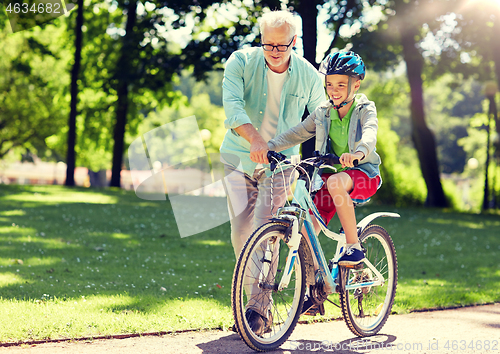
[[486, 194], [70, 154], [495, 48], [423, 138], [119, 134], [124, 70], [309, 13]]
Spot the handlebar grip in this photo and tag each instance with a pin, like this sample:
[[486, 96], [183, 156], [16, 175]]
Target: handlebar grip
[[332, 159], [275, 156]]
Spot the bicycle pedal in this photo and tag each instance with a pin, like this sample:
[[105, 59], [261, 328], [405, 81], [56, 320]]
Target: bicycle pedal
[[314, 310], [354, 266]]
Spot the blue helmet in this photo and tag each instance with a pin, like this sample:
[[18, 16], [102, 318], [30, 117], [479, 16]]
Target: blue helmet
[[343, 63]]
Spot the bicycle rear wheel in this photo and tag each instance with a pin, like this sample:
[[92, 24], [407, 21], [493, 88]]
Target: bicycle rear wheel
[[366, 307], [252, 288]]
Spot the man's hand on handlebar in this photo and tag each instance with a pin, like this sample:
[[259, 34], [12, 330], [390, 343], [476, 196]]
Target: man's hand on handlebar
[[258, 151]]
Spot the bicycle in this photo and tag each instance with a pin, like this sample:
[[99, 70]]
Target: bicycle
[[277, 262]]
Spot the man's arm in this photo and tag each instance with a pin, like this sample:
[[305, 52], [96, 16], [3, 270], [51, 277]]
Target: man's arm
[[233, 93], [258, 146], [295, 135]]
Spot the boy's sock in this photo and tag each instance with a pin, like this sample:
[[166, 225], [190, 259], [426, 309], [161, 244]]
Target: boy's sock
[[356, 245]]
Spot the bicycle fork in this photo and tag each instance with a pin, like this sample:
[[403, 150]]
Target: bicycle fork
[[293, 245], [293, 249]]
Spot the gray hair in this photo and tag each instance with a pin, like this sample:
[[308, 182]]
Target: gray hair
[[277, 19]]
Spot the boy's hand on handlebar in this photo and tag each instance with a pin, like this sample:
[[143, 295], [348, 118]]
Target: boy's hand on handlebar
[[348, 160], [258, 151]]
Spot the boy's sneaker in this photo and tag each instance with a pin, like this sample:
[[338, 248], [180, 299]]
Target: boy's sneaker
[[352, 257]]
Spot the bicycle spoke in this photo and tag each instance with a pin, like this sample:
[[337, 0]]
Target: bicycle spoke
[[366, 308], [253, 286]]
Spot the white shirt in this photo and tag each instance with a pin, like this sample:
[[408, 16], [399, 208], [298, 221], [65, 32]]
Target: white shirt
[[271, 115]]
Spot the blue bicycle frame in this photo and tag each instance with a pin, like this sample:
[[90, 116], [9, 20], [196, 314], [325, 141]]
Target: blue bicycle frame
[[302, 197]]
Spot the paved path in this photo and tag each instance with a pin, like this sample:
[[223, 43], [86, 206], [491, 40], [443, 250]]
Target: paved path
[[465, 330]]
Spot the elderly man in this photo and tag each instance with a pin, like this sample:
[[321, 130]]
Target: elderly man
[[265, 92]]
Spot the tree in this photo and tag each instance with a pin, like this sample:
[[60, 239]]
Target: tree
[[479, 30], [476, 52], [148, 62], [124, 80], [342, 13], [423, 138], [75, 71], [400, 34]]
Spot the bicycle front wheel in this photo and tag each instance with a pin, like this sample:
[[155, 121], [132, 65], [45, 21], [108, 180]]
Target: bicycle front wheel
[[258, 272], [366, 298]]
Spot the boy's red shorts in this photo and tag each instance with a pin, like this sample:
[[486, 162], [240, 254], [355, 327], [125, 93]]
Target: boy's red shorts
[[364, 188]]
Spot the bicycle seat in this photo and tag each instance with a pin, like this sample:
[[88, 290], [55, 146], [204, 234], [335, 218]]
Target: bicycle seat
[[360, 202]]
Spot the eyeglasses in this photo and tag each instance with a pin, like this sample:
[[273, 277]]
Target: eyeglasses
[[279, 47]]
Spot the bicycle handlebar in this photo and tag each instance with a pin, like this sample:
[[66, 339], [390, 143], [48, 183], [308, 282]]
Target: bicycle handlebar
[[274, 158], [273, 155], [330, 159]]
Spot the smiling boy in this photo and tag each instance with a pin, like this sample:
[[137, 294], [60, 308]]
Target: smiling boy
[[345, 125]]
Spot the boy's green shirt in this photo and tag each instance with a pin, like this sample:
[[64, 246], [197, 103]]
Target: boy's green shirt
[[339, 133]]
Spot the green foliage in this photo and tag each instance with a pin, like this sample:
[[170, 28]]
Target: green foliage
[[454, 194], [146, 59], [467, 39], [181, 147], [212, 86], [474, 144], [33, 101], [452, 104], [402, 182], [4, 20], [378, 48]]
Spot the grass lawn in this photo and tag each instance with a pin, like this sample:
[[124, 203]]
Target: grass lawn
[[78, 262]]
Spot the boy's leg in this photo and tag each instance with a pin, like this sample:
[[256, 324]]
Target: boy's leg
[[340, 186], [344, 187]]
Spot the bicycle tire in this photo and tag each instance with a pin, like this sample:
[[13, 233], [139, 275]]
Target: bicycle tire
[[286, 305], [366, 309]]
